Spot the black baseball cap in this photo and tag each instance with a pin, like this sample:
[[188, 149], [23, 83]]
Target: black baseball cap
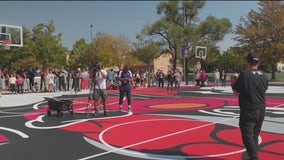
[[253, 57], [126, 67]]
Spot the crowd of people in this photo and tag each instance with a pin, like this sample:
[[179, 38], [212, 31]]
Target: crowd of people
[[201, 78], [32, 79], [63, 79]]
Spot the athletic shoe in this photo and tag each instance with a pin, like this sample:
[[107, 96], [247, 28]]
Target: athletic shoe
[[96, 110]]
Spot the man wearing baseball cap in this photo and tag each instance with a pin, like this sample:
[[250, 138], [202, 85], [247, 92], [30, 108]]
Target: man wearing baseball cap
[[250, 86], [125, 78]]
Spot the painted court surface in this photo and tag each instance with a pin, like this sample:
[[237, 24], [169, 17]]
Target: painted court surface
[[192, 123]]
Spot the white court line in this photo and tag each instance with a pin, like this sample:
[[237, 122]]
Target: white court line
[[165, 136], [15, 131], [153, 139], [277, 106], [12, 109], [21, 115], [35, 106], [3, 143]]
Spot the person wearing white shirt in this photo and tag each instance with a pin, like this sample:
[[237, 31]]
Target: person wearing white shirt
[[99, 78], [12, 83]]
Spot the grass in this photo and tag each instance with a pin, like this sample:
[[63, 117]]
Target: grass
[[279, 76]]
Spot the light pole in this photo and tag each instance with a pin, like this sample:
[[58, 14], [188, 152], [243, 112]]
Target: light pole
[[91, 33], [91, 41]]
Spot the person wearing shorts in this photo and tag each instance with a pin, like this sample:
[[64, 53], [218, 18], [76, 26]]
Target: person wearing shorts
[[99, 78]]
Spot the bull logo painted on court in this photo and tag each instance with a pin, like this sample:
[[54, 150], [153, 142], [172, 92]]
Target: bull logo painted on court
[[169, 128]]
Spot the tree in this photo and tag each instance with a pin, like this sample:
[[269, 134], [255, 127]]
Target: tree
[[146, 51], [47, 48], [263, 32], [179, 25], [110, 50], [231, 61], [17, 58], [211, 62], [79, 56]]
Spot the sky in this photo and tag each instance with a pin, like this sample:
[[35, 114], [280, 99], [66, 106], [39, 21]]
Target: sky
[[119, 18]]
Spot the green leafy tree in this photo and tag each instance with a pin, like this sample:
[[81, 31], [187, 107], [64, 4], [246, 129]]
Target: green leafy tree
[[26, 52], [18, 58], [263, 32], [79, 54], [179, 25], [211, 62], [231, 61], [110, 50], [146, 51], [47, 47]]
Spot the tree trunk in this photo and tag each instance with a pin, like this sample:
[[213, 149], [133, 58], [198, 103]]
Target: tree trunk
[[186, 70], [45, 70], [273, 77], [174, 58]]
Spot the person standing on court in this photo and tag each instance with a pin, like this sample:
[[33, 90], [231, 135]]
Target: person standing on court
[[2, 80], [223, 77], [62, 74], [125, 78], [50, 80], [160, 75], [99, 81], [250, 86], [203, 78], [216, 77]]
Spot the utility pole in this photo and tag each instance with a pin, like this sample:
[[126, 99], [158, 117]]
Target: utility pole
[[91, 34], [186, 58], [91, 41]]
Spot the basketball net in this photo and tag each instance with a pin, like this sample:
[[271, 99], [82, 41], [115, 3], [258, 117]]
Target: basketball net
[[6, 43]]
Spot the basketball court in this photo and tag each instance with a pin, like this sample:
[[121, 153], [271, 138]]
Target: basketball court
[[194, 123]]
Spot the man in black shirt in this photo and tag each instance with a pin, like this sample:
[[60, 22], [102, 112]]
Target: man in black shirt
[[250, 86]]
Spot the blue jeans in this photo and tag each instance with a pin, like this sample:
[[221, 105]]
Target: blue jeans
[[27, 84], [122, 90]]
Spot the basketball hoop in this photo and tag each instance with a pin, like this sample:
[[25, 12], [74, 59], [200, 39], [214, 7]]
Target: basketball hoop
[[6, 44], [200, 52]]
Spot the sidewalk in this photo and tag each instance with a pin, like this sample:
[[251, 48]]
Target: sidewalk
[[9, 100]]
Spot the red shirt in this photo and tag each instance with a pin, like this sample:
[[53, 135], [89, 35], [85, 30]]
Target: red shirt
[[203, 75], [19, 80]]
